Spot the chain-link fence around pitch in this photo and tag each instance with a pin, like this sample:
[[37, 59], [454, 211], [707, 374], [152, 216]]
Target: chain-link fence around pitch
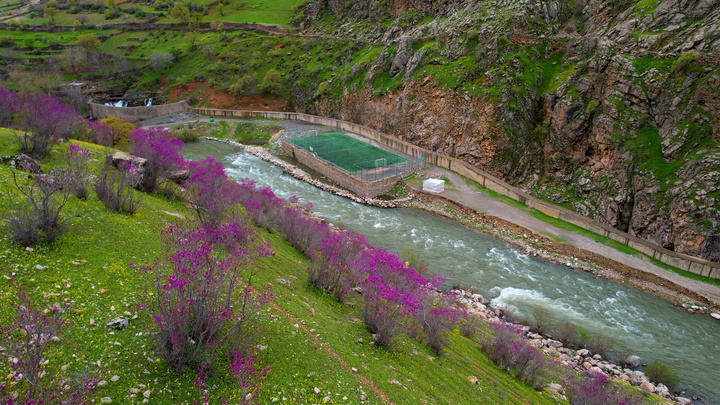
[[360, 159]]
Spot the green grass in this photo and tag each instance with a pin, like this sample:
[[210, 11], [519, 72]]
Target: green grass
[[278, 12], [346, 152], [243, 132], [89, 265]]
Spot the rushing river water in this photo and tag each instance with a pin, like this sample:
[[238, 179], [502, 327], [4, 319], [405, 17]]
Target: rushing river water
[[631, 321]]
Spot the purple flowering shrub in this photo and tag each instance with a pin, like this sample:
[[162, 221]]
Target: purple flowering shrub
[[210, 192], [392, 294], [437, 318], [45, 121], [510, 350], [100, 133], [162, 152], [595, 388], [333, 266], [10, 102], [202, 309], [248, 374], [25, 342]]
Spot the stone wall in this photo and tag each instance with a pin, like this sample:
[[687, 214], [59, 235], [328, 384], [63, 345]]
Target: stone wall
[[137, 114], [682, 261]]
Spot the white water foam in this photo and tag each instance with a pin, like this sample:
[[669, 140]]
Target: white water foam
[[512, 298]]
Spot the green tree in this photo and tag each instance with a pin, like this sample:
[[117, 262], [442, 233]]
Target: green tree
[[180, 12], [111, 4], [323, 89], [244, 86], [88, 41], [52, 13], [192, 38], [272, 84], [122, 131], [220, 9]]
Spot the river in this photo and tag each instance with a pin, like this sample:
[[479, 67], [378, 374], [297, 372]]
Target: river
[[631, 321]]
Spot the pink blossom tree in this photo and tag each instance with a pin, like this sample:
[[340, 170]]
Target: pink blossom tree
[[162, 152], [204, 303], [45, 121]]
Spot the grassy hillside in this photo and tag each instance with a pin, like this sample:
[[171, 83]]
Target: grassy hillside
[[308, 340]]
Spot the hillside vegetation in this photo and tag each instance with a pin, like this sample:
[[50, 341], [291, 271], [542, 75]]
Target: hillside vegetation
[[308, 339], [608, 108]]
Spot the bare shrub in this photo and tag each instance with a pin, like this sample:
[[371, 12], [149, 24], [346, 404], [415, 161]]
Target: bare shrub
[[44, 203], [24, 341], [23, 226], [114, 188]]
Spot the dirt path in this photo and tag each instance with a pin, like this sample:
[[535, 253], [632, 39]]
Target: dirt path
[[470, 197]]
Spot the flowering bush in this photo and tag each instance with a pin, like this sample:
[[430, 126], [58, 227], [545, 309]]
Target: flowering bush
[[201, 310], [9, 104], [510, 350], [25, 341], [332, 267], [45, 122], [248, 375], [437, 319], [101, 134], [595, 388], [392, 293], [211, 193], [162, 152]]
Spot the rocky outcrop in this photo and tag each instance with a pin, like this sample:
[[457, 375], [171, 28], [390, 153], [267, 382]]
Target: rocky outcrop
[[609, 108]]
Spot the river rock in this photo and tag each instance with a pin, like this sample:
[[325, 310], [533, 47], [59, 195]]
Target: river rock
[[683, 400], [662, 390], [647, 386], [632, 361], [556, 389], [25, 163], [715, 315], [583, 352]]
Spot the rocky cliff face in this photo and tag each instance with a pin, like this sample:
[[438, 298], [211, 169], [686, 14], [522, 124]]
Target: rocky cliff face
[[609, 108]]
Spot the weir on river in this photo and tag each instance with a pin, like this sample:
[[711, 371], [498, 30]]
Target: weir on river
[[631, 321]]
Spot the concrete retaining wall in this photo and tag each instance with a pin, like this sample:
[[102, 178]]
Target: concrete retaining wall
[[682, 261], [340, 177], [137, 114]]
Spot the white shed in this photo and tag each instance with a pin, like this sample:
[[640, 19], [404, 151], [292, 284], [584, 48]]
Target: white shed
[[434, 185]]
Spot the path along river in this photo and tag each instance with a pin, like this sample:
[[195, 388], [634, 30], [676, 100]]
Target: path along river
[[631, 321]]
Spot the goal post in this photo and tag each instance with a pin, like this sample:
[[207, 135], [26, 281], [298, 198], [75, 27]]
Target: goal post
[[381, 162]]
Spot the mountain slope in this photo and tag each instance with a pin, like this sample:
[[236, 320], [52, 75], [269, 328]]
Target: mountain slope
[[609, 108]]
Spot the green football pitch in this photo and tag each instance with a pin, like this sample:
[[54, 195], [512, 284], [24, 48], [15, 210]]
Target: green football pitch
[[347, 152]]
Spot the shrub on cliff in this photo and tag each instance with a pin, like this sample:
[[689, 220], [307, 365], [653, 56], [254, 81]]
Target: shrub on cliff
[[659, 372]]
